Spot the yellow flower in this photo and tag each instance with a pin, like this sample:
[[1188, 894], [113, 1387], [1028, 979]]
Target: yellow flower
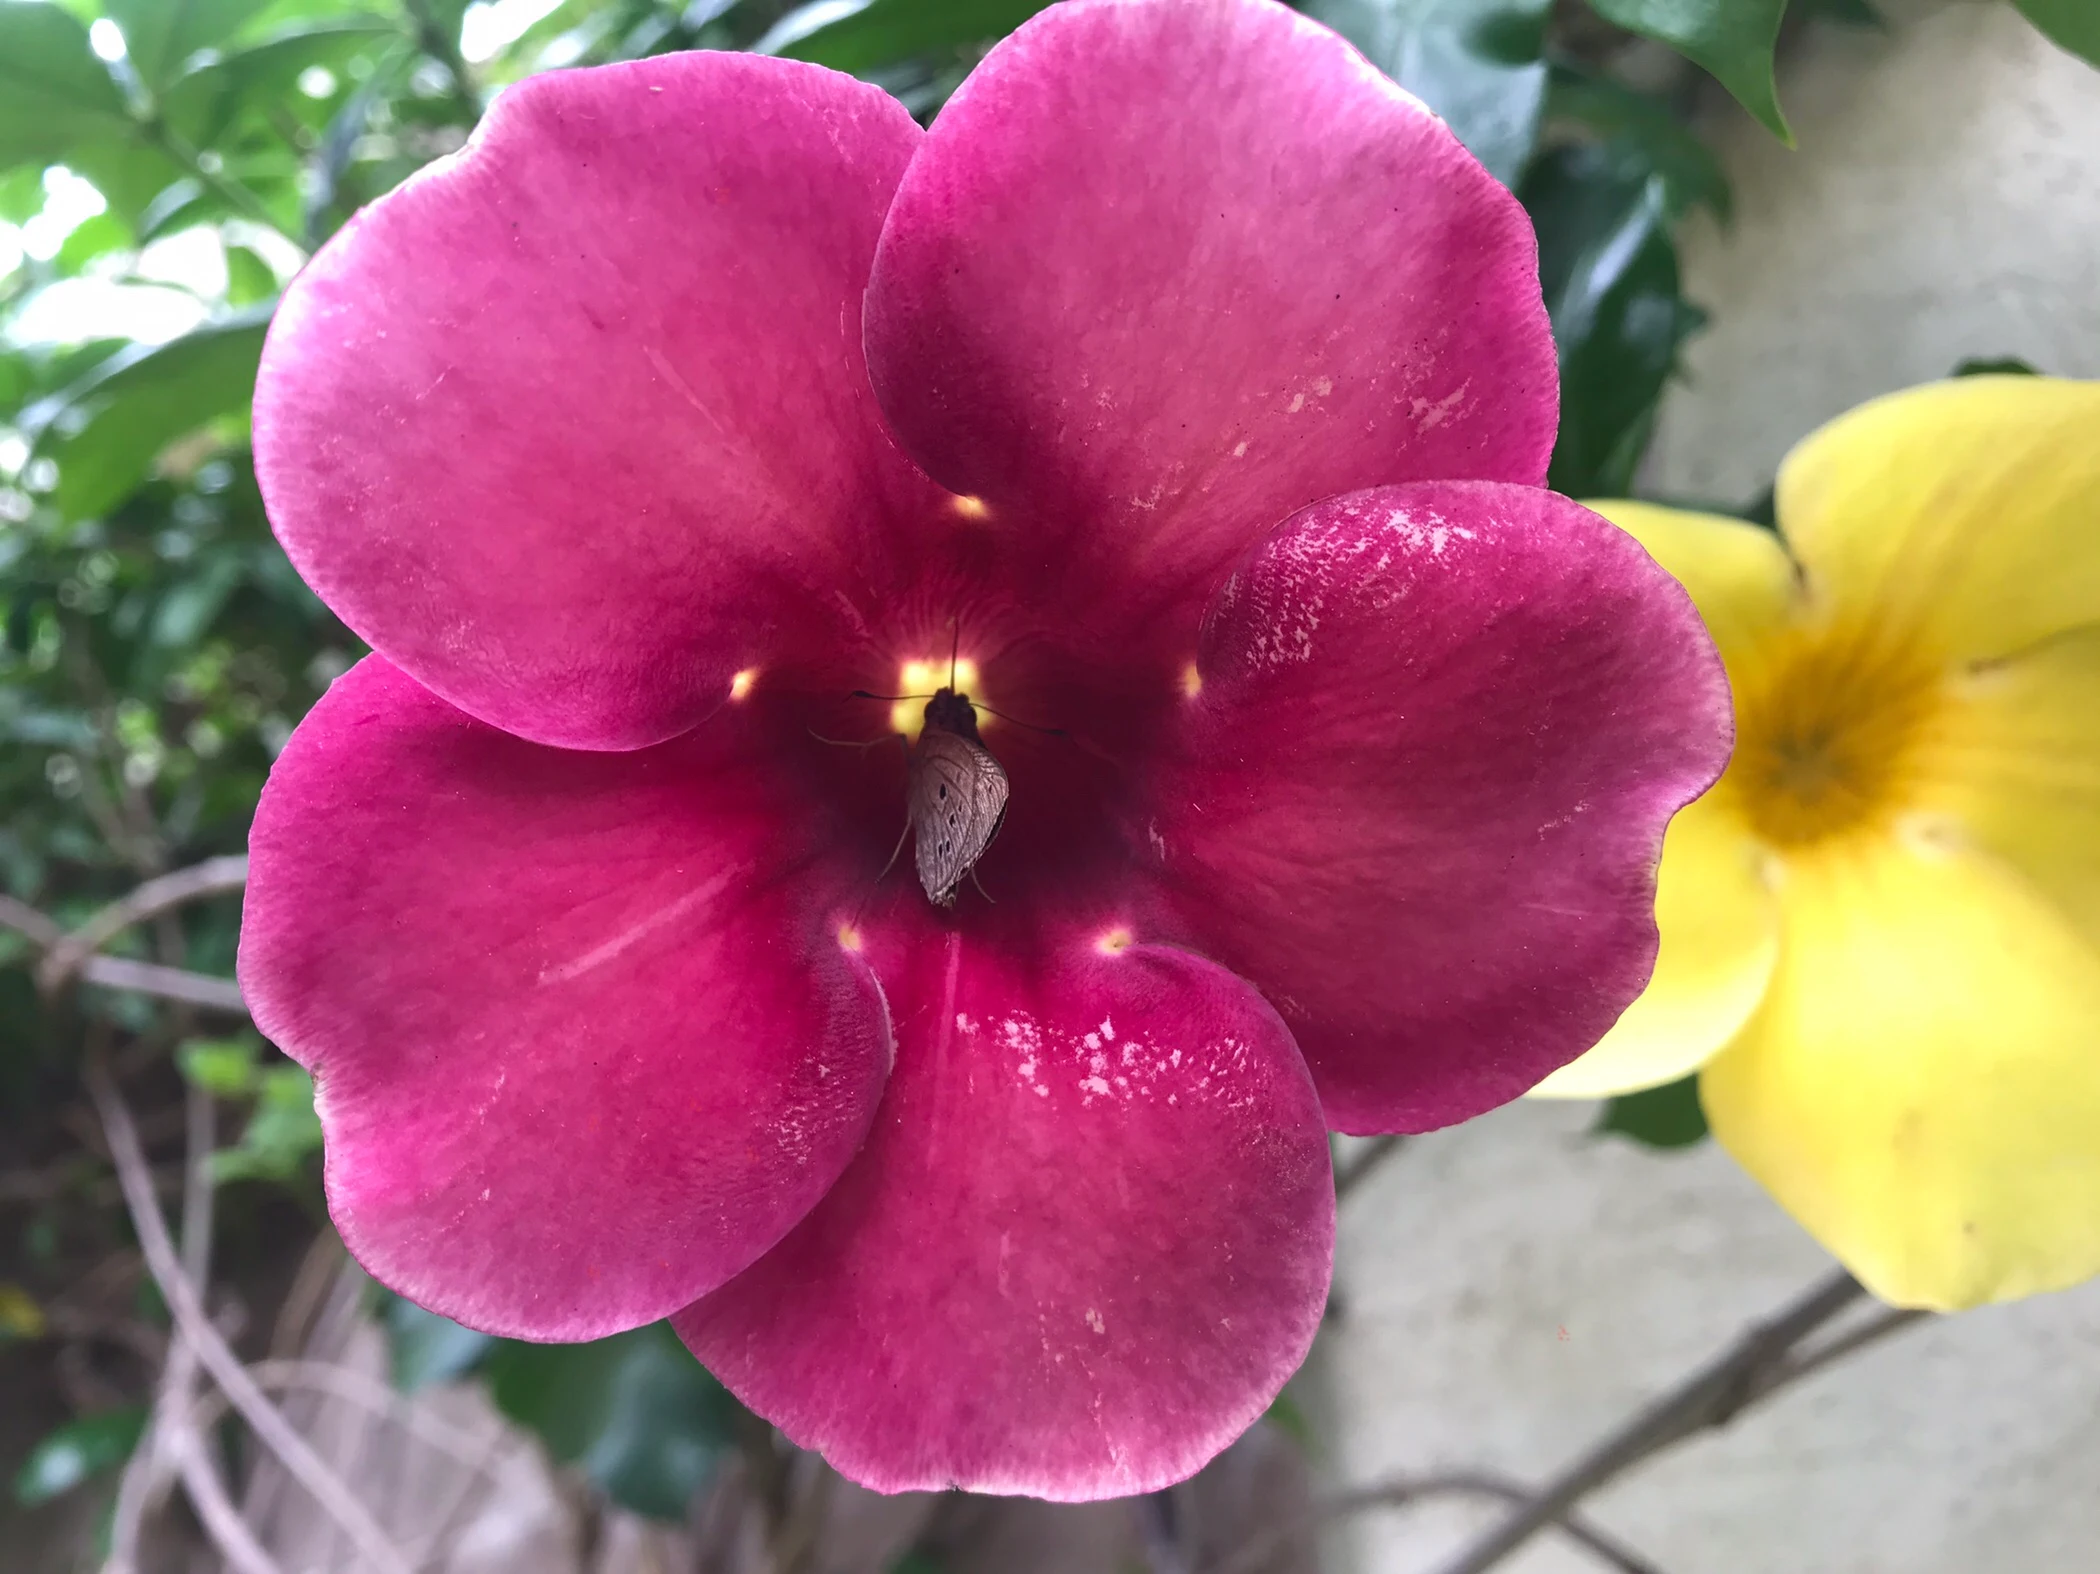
[[1881, 929]]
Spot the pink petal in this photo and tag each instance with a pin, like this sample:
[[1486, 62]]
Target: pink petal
[[585, 1042], [1421, 794], [576, 425], [1163, 273], [1086, 1243]]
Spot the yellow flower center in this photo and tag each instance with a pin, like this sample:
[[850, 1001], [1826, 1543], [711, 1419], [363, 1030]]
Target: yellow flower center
[[1827, 735]]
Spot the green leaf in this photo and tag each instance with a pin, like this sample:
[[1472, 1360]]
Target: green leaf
[[76, 1451], [1609, 271], [865, 35], [106, 430], [1845, 13], [92, 237], [1664, 1117], [1732, 39], [53, 90], [1995, 366], [425, 1348], [2072, 25], [1642, 128], [1477, 63], [248, 278], [204, 103], [161, 35], [130, 174], [636, 1412], [222, 1067], [282, 1132]]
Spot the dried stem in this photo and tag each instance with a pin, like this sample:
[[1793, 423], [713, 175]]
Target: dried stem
[[212, 1350], [166, 983], [1407, 1490], [215, 1511], [1760, 1363], [212, 877], [111, 972]]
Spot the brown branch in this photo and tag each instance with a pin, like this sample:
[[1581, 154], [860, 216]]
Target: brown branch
[[65, 957], [1758, 1364], [215, 1511], [217, 1358], [1407, 1490], [165, 983], [32, 925], [1892, 1319], [74, 956]]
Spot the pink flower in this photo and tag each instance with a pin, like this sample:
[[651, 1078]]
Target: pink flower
[[1194, 381]]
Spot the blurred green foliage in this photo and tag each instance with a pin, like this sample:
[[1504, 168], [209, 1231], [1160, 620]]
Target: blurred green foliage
[[1666, 1117], [78, 1451], [2071, 24]]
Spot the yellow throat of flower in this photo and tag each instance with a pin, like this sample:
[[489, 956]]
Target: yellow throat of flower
[[1828, 730]]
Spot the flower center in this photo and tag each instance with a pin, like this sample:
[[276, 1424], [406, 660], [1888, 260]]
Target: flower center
[[1826, 741], [922, 679]]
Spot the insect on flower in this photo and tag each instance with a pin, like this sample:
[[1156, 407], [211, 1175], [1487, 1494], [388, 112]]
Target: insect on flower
[[956, 797]]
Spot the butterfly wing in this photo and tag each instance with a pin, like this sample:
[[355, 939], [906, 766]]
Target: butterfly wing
[[957, 799]]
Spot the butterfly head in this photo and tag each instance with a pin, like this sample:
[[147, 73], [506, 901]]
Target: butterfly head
[[953, 712]]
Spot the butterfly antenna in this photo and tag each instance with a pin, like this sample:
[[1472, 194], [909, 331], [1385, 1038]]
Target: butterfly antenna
[[894, 699], [954, 645], [851, 743], [1054, 732]]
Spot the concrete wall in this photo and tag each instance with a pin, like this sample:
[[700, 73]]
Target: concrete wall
[[1511, 1289]]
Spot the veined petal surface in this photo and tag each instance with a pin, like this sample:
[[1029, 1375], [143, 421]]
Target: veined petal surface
[[1421, 783], [1163, 274], [1919, 1087], [1087, 1241], [576, 425], [2013, 764], [584, 1044], [1961, 513]]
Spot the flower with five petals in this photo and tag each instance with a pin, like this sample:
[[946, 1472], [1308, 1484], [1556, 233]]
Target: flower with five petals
[[1881, 931], [1190, 383]]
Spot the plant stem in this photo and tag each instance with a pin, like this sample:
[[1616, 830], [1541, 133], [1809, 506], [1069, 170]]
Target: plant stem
[[1759, 1363], [213, 1353], [230, 191]]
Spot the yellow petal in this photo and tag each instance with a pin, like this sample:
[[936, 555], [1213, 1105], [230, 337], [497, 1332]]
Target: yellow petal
[[2013, 766], [1963, 512], [1739, 576], [1720, 934], [1921, 1088]]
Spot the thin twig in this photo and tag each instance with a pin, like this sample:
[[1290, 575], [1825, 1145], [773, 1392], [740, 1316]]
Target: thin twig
[[1892, 1319], [215, 1511], [32, 925], [166, 983], [212, 877], [479, 1481], [144, 978], [1710, 1397], [212, 1350], [1407, 1490], [353, 1387]]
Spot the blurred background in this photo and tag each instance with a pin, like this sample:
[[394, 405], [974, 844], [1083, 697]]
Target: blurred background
[[1506, 1291]]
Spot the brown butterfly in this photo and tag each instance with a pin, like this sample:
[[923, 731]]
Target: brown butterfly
[[956, 798]]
